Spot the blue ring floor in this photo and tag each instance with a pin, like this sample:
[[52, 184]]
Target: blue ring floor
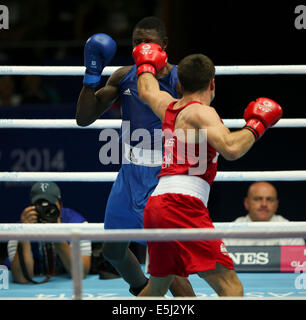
[[256, 285]]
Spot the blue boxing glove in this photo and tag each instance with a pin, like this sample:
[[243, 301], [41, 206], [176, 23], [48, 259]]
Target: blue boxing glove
[[98, 52]]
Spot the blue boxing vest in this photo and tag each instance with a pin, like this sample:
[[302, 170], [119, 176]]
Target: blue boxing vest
[[135, 183], [140, 115]]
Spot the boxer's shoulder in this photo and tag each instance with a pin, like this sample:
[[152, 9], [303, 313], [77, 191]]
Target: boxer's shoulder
[[196, 112], [118, 75]]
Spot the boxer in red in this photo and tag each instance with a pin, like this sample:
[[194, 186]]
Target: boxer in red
[[181, 196]]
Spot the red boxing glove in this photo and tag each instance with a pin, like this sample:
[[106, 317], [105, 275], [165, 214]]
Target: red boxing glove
[[149, 57], [260, 115]]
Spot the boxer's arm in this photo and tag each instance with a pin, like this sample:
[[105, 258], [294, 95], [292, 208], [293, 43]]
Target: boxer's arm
[[149, 92], [260, 115], [231, 145], [92, 104]]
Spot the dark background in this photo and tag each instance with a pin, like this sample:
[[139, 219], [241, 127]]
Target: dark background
[[230, 32]]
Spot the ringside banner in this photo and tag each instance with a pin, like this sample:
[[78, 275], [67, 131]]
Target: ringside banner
[[255, 258], [293, 259]]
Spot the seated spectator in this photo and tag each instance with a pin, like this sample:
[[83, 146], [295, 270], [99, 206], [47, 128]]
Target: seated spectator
[[261, 203], [34, 91], [27, 258], [8, 95]]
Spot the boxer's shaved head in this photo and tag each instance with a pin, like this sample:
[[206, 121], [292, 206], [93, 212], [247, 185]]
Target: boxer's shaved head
[[152, 23], [150, 30]]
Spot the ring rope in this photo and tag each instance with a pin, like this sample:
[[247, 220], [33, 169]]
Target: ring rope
[[98, 226], [220, 70], [222, 176], [116, 123], [66, 232]]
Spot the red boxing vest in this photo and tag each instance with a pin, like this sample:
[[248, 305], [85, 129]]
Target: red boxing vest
[[185, 158]]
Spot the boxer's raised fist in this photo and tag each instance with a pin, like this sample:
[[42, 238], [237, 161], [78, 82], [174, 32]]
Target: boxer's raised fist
[[260, 115], [98, 52], [149, 57]]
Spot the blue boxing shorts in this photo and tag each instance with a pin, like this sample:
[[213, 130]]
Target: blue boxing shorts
[[129, 195]]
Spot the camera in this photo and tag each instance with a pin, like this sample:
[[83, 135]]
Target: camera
[[47, 212]]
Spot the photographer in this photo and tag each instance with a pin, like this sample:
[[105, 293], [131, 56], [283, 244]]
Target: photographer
[[27, 258]]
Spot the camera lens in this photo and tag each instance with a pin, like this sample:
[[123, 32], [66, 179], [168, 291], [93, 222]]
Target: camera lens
[[47, 212]]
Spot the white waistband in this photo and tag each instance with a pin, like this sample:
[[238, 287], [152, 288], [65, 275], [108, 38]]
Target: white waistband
[[143, 157], [184, 184]]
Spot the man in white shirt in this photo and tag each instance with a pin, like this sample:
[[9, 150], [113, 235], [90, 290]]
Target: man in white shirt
[[261, 203]]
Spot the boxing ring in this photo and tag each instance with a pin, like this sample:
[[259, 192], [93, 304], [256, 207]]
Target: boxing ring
[[256, 286]]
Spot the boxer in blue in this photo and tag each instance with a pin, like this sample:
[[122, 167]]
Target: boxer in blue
[[137, 176]]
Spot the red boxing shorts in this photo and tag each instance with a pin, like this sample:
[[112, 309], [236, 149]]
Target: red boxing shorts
[[182, 258]]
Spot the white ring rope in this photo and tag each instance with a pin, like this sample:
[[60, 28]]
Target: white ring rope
[[65, 232], [222, 176], [116, 123], [220, 70]]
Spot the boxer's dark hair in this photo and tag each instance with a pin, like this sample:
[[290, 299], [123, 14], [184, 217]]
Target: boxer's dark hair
[[154, 23], [195, 72]]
